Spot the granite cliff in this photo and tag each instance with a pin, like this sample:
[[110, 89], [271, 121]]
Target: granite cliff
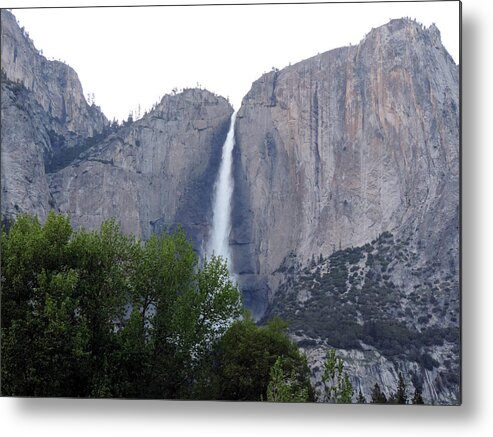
[[44, 118], [333, 153], [60, 153], [153, 174], [339, 148]]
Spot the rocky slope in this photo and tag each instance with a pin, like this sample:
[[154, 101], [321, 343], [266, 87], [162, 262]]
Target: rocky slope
[[337, 150], [384, 309], [53, 84]]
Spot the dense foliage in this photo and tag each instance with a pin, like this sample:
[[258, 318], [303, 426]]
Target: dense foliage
[[247, 353], [337, 387], [100, 314], [285, 388]]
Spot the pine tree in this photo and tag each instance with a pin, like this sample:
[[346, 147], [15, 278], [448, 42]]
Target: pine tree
[[392, 399], [417, 398], [312, 262], [377, 396], [361, 399], [401, 397]]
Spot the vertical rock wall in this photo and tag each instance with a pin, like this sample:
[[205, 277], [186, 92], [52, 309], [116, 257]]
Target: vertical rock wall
[[341, 147]]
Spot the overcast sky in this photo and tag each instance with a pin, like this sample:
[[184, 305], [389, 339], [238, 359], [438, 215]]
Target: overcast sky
[[133, 56]]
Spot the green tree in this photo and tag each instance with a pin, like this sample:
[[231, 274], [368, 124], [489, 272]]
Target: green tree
[[377, 396], [401, 396], [245, 355], [44, 336], [105, 261], [284, 388], [361, 398], [337, 386], [101, 314], [417, 398], [180, 311]]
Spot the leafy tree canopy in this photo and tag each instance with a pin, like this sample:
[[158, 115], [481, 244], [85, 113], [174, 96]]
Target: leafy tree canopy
[[101, 314], [247, 353], [337, 386], [285, 388]]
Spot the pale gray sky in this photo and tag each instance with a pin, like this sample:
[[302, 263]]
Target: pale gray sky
[[133, 56]]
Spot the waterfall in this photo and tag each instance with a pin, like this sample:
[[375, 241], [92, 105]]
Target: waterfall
[[223, 190]]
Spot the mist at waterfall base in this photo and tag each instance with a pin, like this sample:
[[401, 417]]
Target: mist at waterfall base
[[218, 243]]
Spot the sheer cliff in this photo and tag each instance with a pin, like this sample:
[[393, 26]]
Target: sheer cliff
[[44, 117], [156, 173], [60, 153], [332, 154], [337, 149]]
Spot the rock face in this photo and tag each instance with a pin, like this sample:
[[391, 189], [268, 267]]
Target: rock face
[[153, 174], [332, 153], [53, 84], [339, 148], [60, 153], [44, 117]]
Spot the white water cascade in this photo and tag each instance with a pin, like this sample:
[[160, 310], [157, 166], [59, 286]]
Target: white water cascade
[[221, 210]]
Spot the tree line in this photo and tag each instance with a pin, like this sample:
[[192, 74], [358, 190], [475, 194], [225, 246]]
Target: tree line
[[102, 314]]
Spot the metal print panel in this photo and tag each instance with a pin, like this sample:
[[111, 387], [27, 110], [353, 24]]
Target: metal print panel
[[194, 209]]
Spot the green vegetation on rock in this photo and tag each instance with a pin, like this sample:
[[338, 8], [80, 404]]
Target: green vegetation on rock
[[350, 302]]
